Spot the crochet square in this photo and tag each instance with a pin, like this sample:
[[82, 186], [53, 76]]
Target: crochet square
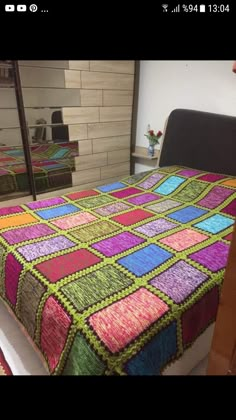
[[49, 246], [155, 354], [5, 211], [95, 287], [215, 224], [230, 208], [111, 187], [62, 266], [90, 203], [215, 197], [82, 194], [187, 214], [170, 185], [153, 256], [126, 192], [35, 205], [139, 310], [179, 281], [156, 227], [191, 191], [94, 231], [57, 211], [29, 298], [230, 183], [164, 206], [183, 239], [143, 198], [17, 220], [13, 270], [189, 172], [70, 222], [54, 331], [132, 217], [82, 359], [111, 209], [228, 237], [117, 244], [151, 181], [213, 257], [193, 324], [211, 177], [26, 233]]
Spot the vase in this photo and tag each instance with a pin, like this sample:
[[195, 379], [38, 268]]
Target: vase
[[151, 150]]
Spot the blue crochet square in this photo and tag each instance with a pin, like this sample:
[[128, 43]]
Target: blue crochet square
[[187, 214], [170, 185], [155, 354], [215, 224], [111, 187], [57, 211], [145, 259]]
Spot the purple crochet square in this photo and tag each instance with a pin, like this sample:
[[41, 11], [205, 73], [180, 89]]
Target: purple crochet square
[[45, 203], [143, 198], [47, 247], [213, 257], [189, 172], [156, 227], [26, 233], [151, 181], [215, 197], [179, 281], [117, 244]]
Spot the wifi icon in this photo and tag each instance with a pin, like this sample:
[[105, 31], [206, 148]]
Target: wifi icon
[[165, 7]]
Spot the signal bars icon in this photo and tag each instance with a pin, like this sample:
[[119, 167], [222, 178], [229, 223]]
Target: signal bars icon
[[176, 9], [165, 7]]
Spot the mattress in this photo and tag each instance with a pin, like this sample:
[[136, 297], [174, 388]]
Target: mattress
[[121, 279]]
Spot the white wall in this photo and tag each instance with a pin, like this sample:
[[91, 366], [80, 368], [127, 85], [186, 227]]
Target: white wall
[[167, 85]]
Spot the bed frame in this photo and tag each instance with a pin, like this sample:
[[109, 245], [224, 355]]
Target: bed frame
[[200, 140]]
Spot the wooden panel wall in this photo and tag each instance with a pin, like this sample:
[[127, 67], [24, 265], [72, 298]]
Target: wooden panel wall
[[102, 122]]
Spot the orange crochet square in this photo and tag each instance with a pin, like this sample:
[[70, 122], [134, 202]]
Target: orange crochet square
[[21, 219], [230, 182]]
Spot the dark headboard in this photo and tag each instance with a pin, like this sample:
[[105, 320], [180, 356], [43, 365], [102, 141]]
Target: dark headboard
[[200, 140]]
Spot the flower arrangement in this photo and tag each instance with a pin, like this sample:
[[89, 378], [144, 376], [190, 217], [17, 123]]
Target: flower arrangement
[[152, 137]]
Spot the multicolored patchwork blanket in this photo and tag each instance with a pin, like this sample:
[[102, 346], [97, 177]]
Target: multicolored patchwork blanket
[[121, 279]]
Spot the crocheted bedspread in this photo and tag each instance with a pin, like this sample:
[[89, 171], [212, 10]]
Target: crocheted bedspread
[[123, 278]]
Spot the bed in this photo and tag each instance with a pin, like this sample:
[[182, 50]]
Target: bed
[[52, 166], [124, 279]]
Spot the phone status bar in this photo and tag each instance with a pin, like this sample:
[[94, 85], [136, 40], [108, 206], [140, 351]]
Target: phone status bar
[[196, 8]]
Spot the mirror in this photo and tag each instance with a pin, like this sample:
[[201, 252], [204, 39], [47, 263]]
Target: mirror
[[14, 181], [44, 95]]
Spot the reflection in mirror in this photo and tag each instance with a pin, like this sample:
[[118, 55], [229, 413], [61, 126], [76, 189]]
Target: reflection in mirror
[[6, 74], [14, 181], [45, 95], [46, 125]]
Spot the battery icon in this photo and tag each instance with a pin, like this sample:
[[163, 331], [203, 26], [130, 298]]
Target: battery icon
[[202, 8]]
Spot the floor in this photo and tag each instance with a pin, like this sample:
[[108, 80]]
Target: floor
[[201, 369]]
